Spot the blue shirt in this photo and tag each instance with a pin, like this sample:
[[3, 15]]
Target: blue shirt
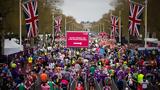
[[102, 51]]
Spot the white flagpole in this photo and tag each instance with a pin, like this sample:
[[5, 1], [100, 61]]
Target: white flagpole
[[53, 32], [129, 1], [65, 27], [145, 45], [111, 26], [100, 27], [103, 27], [120, 27], [20, 24]]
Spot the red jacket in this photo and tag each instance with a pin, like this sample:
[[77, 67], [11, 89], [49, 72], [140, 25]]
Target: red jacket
[[79, 88]]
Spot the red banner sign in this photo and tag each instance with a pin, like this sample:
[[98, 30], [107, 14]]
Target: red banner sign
[[77, 39]]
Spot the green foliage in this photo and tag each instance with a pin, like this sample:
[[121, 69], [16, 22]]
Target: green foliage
[[9, 9], [153, 19], [45, 18]]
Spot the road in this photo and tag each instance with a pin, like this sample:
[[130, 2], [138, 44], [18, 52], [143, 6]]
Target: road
[[98, 86]]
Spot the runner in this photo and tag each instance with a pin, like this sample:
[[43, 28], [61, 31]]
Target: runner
[[51, 84], [43, 77], [45, 86], [122, 64], [21, 86], [79, 86]]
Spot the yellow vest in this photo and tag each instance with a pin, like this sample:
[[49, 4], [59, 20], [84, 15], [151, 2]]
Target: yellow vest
[[30, 59], [140, 78]]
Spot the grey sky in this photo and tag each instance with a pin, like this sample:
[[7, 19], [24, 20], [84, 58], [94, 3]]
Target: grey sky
[[86, 10]]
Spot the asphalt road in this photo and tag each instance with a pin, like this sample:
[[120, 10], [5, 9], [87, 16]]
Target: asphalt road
[[98, 86]]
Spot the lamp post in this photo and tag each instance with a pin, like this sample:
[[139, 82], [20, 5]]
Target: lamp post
[[65, 27], [65, 22], [106, 22], [1, 18], [53, 20], [1, 36], [103, 27], [72, 26], [145, 44], [20, 24], [99, 28]]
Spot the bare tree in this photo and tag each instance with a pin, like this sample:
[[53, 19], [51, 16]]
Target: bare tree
[[53, 3]]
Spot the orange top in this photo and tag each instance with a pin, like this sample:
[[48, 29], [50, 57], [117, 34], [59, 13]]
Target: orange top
[[43, 77]]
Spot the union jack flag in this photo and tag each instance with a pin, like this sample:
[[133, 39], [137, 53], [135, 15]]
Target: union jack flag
[[114, 21], [31, 17], [135, 18], [58, 21]]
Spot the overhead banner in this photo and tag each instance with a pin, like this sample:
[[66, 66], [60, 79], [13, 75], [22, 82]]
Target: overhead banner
[[77, 39]]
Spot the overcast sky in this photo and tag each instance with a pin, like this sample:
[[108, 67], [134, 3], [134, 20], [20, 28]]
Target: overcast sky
[[86, 10]]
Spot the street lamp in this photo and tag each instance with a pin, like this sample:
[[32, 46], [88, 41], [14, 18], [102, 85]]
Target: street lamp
[[106, 25], [1, 37], [54, 10], [101, 27], [65, 27], [71, 27], [1, 18]]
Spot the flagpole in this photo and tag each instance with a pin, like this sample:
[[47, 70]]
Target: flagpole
[[111, 26], [120, 27], [65, 27], [20, 24], [53, 34], [103, 27], [100, 27], [145, 45], [128, 30]]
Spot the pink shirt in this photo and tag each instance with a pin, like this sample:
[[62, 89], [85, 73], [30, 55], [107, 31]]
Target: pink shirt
[[46, 87]]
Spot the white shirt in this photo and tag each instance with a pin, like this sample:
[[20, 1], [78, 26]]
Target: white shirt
[[51, 65], [144, 84], [77, 67]]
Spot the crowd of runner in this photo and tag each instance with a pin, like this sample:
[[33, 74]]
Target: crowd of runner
[[57, 68]]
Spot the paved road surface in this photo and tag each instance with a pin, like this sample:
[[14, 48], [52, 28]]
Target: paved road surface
[[100, 86]]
